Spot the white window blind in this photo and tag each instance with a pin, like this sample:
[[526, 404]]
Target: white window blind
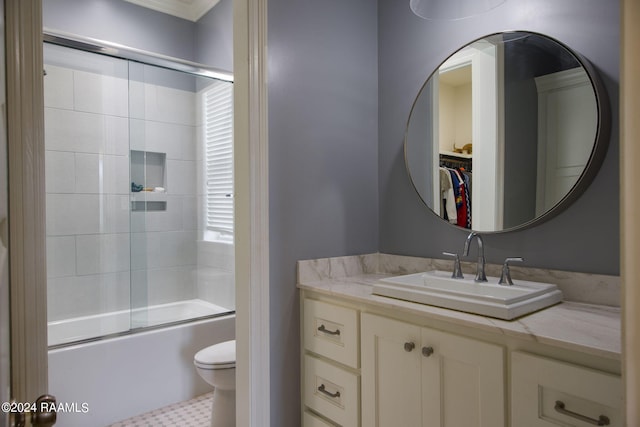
[[218, 142]]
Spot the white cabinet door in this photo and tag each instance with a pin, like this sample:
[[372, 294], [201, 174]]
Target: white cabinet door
[[463, 381], [391, 385], [414, 376]]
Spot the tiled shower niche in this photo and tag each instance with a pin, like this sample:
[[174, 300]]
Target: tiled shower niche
[[148, 181]]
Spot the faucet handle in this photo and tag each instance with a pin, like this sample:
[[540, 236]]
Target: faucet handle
[[505, 277], [457, 269]]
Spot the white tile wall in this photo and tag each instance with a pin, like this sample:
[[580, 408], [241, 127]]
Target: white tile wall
[[98, 252], [71, 214], [189, 213], [215, 280], [101, 94], [61, 256], [176, 140], [162, 104], [152, 250], [75, 296], [81, 132], [58, 88], [102, 174], [102, 253], [181, 177], [216, 255], [162, 284], [169, 220], [216, 286], [60, 172]]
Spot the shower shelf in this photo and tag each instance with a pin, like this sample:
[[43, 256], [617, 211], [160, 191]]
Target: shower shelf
[[148, 202], [148, 196]]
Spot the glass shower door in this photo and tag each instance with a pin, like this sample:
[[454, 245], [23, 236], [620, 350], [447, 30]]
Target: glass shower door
[[178, 271], [139, 188], [87, 191]]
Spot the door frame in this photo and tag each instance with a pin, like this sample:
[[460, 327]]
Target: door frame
[[251, 161], [27, 238], [27, 246], [630, 206]]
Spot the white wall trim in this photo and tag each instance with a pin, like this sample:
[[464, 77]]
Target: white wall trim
[[252, 214], [185, 9]]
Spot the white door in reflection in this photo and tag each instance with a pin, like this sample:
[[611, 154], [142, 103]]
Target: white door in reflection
[[567, 116]]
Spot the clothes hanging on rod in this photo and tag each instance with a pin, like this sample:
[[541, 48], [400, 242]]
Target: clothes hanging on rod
[[455, 162], [455, 189], [448, 208]]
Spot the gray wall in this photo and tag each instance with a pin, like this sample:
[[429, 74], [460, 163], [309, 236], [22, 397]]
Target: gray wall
[[322, 62], [214, 36], [124, 23], [208, 41], [583, 238], [420, 153]]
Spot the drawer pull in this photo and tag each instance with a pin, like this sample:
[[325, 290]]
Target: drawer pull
[[427, 351], [601, 421], [321, 328], [322, 389]]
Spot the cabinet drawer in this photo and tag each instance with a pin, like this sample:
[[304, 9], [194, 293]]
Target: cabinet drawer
[[331, 391], [311, 420], [331, 331], [546, 392]]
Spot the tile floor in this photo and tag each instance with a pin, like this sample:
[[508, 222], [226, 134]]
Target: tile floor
[[190, 413]]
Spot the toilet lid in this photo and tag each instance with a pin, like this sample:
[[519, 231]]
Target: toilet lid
[[217, 356]]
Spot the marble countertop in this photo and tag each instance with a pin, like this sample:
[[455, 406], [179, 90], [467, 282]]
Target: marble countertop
[[587, 328]]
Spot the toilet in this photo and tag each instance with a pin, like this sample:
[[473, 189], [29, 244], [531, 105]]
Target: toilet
[[216, 365]]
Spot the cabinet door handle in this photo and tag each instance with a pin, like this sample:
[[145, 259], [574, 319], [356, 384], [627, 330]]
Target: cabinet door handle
[[601, 421], [409, 346], [322, 328], [427, 351], [322, 389]]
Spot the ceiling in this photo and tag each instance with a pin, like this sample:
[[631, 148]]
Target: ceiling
[[186, 9]]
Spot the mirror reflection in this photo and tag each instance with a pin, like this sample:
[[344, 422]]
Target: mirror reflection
[[502, 131]]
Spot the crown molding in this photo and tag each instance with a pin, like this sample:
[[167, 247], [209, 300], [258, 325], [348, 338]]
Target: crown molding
[[191, 10]]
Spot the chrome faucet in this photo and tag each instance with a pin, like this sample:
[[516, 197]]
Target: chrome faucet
[[480, 275]]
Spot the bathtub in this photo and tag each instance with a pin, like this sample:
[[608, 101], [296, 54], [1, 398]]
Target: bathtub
[[112, 379]]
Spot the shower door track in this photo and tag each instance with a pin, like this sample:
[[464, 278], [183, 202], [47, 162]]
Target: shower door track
[[139, 329], [115, 50]]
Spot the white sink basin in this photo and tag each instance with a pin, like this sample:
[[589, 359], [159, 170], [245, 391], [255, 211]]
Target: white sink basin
[[488, 298]]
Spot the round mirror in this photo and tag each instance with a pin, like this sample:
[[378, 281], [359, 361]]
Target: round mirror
[[508, 131]]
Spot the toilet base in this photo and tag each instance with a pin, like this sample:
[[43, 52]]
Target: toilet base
[[223, 408]]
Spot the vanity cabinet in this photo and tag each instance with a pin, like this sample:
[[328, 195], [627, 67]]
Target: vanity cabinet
[[417, 376], [378, 365]]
